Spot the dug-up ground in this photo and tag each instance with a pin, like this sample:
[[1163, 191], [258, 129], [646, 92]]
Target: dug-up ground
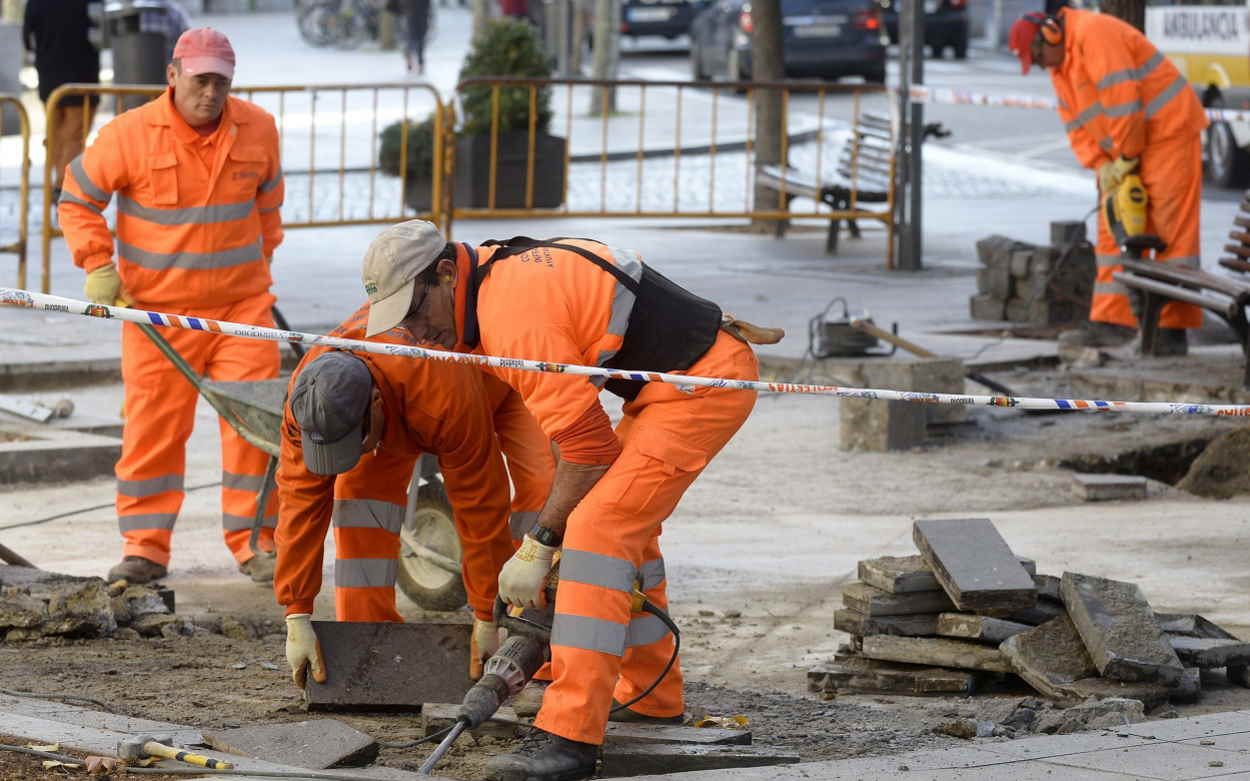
[[758, 554]]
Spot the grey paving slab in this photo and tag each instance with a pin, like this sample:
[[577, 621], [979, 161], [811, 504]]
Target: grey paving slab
[[1237, 741], [315, 744], [1164, 761], [974, 564], [1050, 746], [1210, 724]]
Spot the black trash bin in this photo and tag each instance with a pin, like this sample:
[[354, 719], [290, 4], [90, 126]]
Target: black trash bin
[[138, 57]]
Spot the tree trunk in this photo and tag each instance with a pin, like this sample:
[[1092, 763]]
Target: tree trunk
[[607, 41], [770, 120], [1131, 11], [483, 12], [578, 44]]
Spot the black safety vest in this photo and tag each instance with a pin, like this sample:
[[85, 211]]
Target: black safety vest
[[669, 328]]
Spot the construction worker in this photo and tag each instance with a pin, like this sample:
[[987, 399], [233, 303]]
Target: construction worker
[[354, 426], [1126, 108], [199, 186], [579, 301]]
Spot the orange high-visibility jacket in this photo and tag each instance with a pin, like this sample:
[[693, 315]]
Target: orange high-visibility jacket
[[433, 407], [187, 232], [1118, 93]]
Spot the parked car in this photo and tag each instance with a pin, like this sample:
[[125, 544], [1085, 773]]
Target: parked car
[[824, 38], [669, 18], [945, 25]]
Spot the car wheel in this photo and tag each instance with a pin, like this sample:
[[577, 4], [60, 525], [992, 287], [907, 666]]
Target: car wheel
[[430, 525], [1228, 165], [960, 50]]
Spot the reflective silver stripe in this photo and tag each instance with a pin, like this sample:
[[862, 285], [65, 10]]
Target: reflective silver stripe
[[1064, 106], [84, 182], [251, 483], [271, 183], [1188, 261], [588, 634], [159, 261], [522, 521], [1091, 111], [1107, 144], [1110, 289], [368, 514], [271, 211], [68, 197], [190, 215], [1107, 261], [645, 630], [237, 523], [1122, 109], [622, 298], [597, 569], [364, 573], [1157, 103], [652, 573], [138, 489], [1132, 74], [131, 523]]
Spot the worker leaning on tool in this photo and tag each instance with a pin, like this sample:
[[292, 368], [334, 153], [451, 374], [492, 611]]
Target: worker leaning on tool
[[580, 301], [198, 185], [1126, 108], [353, 428]]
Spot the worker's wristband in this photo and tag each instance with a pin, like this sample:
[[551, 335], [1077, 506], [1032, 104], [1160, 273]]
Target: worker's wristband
[[549, 537]]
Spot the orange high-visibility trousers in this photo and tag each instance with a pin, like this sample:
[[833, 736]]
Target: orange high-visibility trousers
[[160, 414], [1171, 172], [599, 650]]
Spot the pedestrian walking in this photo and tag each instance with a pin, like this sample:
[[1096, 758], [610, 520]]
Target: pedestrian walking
[[1125, 108], [417, 17], [57, 32], [199, 186], [580, 301], [354, 427]]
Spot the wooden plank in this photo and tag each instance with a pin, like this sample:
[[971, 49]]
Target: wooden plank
[[870, 601], [939, 652], [974, 564]]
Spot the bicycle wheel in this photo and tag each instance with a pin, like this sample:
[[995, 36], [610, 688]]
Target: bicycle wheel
[[353, 26]]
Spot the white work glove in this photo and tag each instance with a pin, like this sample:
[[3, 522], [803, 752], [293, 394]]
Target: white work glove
[[103, 285], [1112, 173], [483, 644], [303, 650], [523, 579]]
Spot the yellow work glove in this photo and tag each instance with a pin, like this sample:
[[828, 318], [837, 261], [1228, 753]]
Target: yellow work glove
[[103, 286], [523, 579], [303, 650], [1112, 172], [483, 644]]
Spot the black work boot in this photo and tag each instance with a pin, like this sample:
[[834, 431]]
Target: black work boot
[[545, 757], [634, 717], [136, 569]]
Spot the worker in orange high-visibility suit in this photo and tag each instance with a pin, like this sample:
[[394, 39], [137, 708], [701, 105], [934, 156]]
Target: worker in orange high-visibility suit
[[579, 301], [1125, 108], [392, 409], [199, 186]]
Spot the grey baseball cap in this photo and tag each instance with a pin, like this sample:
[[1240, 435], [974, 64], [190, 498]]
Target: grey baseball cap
[[392, 263], [329, 402]]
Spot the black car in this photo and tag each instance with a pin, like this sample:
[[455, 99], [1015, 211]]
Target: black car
[[669, 18], [823, 38], [945, 25]]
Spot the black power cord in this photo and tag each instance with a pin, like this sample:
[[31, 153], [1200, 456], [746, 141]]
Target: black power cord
[[647, 607]]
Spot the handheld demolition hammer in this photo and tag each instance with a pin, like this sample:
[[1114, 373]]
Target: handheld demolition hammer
[[528, 648], [1125, 210]]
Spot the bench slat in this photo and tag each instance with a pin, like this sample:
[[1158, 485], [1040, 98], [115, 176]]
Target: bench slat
[[1244, 238], [1181, 275], [1241, 221], [1235, 265], [1238, 250], [1225, 308]]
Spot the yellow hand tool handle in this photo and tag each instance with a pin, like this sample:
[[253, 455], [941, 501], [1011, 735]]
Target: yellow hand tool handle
[[169, 752]]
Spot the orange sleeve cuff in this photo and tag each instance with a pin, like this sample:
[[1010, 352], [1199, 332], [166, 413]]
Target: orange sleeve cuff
[[589, 440]]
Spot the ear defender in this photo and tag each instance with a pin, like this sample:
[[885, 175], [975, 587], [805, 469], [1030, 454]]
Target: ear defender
[[1052, 33]]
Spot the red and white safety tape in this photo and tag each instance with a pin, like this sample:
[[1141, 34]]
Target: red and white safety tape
[[48, 303], [947, 96]]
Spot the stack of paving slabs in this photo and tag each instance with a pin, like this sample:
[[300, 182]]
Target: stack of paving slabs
[[1026, 283], [967, 613]]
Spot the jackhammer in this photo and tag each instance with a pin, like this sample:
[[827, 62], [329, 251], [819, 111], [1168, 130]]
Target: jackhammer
[[527, 649]]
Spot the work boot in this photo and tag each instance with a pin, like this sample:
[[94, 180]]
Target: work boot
[[634, 717], [1171, 342], [260, 567], [530, 699], [136, 569], [545, 757]]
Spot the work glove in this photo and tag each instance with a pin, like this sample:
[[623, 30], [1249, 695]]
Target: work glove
[[103, 286], [483, 644], [523, 579], [303, 650], [1112, 172]]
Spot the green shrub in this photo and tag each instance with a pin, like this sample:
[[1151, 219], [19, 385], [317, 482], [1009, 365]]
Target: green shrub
[[507, 47], [420, 148]]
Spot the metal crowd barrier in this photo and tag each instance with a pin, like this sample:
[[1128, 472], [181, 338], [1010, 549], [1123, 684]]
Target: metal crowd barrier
[[23, 187], [329, 145]]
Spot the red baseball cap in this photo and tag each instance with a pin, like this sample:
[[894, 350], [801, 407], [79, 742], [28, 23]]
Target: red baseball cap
[[204, 50], [1020, 39]]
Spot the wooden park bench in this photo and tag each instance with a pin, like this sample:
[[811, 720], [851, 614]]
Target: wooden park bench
[[865, 176]]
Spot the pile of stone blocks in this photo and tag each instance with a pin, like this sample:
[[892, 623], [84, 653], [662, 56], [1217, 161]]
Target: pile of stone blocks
[[967, 613], [868, 424], [1039, 286]]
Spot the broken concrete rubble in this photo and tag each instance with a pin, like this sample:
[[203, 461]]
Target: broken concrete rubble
[[869, 676], [857, 624], [940, 652], [974, 627], [1119, 630], [1208, 653]]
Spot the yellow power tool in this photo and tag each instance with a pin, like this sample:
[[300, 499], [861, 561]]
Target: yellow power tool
[[1125, 209]]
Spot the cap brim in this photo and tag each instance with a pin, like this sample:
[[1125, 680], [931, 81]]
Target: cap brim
[[390, 311], [216, 65], [332, 458]]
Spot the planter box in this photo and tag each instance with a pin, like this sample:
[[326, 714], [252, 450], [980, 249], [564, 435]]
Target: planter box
[[473, 171]]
